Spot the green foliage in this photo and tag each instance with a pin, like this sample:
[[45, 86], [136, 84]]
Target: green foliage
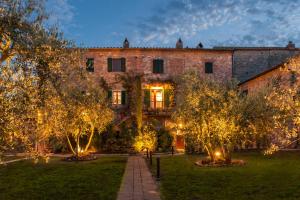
[[58, 145], [164, 140], [132, 82], [116, 141], [32, 58], [146, 140], [209, 110]]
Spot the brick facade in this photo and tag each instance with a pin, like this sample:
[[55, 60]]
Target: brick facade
[[176, 62], [252, 67]]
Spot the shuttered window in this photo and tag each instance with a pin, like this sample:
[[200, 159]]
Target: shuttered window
[[90, 64], [293, 78], [123, 97], [158, 66], [147, 98], [116, 64], [117, 97], [208, 67]]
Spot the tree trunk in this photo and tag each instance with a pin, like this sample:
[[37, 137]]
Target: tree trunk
[[90, 139], [78, 146], [70, 146], [227, 155], [210, 153]]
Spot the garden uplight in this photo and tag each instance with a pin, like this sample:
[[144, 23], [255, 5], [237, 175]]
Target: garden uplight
[[217, 153]]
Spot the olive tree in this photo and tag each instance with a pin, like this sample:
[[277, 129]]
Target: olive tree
[[210, 110]]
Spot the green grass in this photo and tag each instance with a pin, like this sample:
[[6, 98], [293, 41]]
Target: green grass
[[262, 178], [98, 179]]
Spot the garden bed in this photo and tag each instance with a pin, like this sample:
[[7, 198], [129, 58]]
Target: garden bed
[[87, 157], [221, 163]]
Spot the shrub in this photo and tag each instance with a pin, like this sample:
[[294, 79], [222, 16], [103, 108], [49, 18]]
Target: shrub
[[164, 140]]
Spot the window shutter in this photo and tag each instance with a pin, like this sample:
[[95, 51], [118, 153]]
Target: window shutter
[[109, 95], [158, 66], [208, 67], [147, 98], [161, 68], [154, 66], [167, 98], [293, 78], [109, 64], [123, 64], [123, 97]]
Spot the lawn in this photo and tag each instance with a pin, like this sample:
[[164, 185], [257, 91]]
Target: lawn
[[262, 178], [99, 179]]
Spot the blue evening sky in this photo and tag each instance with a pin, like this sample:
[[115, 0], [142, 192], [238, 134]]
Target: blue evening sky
[[162, 22]]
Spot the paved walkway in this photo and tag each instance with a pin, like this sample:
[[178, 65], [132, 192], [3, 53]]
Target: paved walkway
[[138, 183], [11, 161]]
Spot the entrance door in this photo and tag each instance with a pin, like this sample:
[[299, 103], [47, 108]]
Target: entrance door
[[156, 98], [179, 142]]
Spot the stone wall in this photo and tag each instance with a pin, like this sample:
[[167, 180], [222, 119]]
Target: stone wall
[[176, 62], [263, 80], [285, 75], [248, 63]]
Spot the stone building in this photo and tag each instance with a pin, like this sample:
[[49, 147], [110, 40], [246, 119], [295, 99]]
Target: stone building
[[160, 66], [284, 73]]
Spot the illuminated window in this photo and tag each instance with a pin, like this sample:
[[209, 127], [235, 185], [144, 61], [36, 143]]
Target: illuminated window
[[156, 97], [117, 97]]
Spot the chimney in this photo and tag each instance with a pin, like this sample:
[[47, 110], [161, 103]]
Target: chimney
[[179, 44], [126, 43], [291, 45], [200, 46]]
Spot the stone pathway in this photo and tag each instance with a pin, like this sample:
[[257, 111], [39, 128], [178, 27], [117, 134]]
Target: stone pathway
[[12, 161], [138, 183]]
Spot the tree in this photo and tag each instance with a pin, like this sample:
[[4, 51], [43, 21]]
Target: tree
[[147, 139], [86, 109], [34, 62], [272, 112], [20, 23], [210, 110]]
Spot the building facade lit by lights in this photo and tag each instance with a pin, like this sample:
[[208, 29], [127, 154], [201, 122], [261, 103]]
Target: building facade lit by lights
[[160, 66]]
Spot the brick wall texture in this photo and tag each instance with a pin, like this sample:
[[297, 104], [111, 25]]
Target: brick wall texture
[[176, 62], [240, 63]]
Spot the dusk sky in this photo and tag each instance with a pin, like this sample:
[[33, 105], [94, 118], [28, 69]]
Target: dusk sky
[[162, 22]]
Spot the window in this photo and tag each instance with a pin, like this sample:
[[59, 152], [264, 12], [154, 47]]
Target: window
[[116, 64], [244, 93], [208, 67], [156, 97], [118, 97], [90, 64], [293, 78], [158, 66]]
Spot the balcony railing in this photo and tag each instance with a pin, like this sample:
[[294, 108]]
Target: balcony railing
[[158, 111]]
